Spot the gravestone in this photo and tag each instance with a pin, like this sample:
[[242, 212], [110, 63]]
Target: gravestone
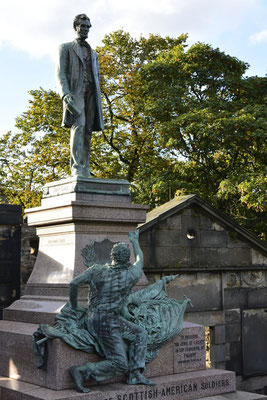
[[254, 332], [10, 239]]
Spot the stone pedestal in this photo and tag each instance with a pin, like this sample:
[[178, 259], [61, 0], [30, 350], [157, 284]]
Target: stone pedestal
[[179, 370], [73, 214], [186, 352]]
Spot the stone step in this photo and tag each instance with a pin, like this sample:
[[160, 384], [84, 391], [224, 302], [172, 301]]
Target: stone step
[[185, 386], [186, 352], [238, 395], [35, 310]]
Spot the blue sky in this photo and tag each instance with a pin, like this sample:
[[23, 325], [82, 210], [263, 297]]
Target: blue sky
[[31, 30]]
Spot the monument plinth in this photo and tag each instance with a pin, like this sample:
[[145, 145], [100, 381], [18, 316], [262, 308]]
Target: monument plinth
[[74, 213], [184, 353], [179, 370]]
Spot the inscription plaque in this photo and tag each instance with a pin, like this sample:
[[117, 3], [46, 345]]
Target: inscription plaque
[[189, 350], [87, 185], [173, 390]]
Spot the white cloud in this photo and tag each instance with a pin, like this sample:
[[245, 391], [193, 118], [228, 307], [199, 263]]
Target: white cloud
[[38, 26], [259, 37]]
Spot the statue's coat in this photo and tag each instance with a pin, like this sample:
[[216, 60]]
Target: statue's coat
[[70, 75]]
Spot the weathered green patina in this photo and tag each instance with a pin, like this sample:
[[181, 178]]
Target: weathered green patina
[[78, 84], [126, 329]]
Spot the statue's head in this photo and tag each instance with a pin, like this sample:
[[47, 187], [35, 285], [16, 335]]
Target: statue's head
[[120, 254], [81, 25]]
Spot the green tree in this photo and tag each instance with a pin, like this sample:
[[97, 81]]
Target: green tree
[[130, 140], [37, 155], [214, 119], [176, 120]]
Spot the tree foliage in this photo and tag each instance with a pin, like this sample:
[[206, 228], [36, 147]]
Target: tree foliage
[[216, 120], [177, 120], [38, 154]]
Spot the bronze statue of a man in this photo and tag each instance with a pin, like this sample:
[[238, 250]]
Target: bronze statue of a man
[[78, 81], [110, 286]]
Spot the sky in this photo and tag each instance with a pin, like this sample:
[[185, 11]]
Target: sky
[[31, 31]]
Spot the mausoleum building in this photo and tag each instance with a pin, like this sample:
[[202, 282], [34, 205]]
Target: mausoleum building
[[223, 270]]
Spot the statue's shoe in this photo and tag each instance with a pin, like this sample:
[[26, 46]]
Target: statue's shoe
[[86, 173], [77, 172], [78, 379], [139, 379]]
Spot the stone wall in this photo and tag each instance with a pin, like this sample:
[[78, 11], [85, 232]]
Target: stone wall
[[192, 239], [237, 319], [226, 280]]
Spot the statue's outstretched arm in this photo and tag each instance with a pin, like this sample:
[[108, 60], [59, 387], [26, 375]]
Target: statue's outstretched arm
[[139, 258], [74, 286]]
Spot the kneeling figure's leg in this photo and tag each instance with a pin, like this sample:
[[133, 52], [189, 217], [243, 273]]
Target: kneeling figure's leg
[[136, 336], [114, 350]]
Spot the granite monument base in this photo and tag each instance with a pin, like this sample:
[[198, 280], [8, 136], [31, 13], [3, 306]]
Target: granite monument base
[[75, 213], [185, 353]]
